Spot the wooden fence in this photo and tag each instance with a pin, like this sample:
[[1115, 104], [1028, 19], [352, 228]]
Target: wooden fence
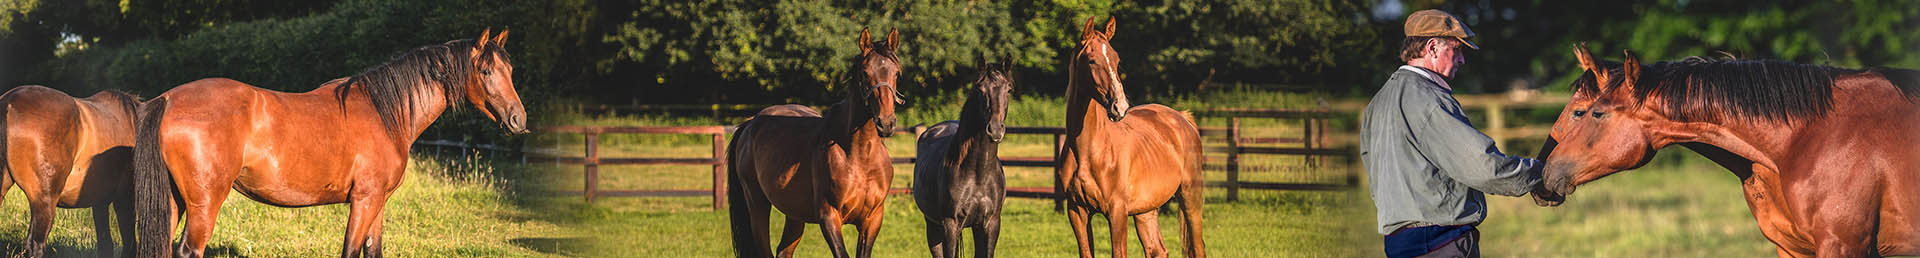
[[1314, 143]]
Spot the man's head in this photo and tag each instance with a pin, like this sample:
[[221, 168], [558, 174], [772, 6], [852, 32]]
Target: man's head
[[1434, 39]]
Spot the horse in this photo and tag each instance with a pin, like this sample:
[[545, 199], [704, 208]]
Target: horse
[[70, 153], [957, 179], [1823, 153], [1125, 161], [830, 169], [345, 142]]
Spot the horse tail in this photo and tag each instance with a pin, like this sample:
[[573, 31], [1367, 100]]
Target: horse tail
[[153, 184], [738, 213], [1908, 81], [6, 178], [1192, 191]]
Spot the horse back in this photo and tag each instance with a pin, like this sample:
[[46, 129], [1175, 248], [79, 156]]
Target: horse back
[[773, 153], [931, 172]]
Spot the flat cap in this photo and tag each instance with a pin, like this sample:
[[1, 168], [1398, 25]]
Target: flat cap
[[1436, 23]]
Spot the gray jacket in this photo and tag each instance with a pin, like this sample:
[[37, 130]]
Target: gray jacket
[[1426, 164]]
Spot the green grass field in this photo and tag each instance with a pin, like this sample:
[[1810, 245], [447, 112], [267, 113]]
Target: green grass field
[[1678, 206], [448, 207]]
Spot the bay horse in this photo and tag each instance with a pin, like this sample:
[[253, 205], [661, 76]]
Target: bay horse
[[1125, 161], [1826, 156], [70, 153], [957, 180], [345, 142], [830, 169]]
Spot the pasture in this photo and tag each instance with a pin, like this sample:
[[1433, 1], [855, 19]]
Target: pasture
[[449, 206], [1261, 224]]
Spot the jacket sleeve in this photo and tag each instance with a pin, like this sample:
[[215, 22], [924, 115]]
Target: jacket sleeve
[[1443, 135]]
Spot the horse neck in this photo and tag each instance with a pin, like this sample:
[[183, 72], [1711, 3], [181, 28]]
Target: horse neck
[[1733, 141], [426, 99], [849, 122], [1084, 114], [974, 138]]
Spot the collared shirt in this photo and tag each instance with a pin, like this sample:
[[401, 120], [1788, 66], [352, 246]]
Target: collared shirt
[[1426, 164], [1430, 76]]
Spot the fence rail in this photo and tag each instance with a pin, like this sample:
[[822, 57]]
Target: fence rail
[[1314, 144]]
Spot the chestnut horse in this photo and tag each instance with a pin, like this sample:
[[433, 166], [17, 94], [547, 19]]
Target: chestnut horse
[[346, 142], [957, 181], [1825, 155], [830, 170], [71, 153], [1125, 161]]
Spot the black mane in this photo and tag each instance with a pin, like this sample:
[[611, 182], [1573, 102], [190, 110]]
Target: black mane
[[392, 86], [1773, 90]]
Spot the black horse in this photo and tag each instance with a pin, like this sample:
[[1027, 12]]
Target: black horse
[[957, 182]]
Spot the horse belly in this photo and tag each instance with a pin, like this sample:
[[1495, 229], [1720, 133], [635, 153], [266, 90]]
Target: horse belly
[[98, 176], [277, 186]]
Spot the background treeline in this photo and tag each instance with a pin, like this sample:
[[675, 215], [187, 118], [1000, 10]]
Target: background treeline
[[572, 52]]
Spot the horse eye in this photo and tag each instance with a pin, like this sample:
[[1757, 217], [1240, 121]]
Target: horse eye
[[1598, 114], [1578, 113]]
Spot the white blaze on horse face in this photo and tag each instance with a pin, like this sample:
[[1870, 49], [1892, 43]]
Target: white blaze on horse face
[[1113, 75]]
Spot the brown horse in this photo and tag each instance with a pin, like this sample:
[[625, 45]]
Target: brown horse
[[71, 153], [1825, 155], [1124, 161], [346, 142], [830, 170]]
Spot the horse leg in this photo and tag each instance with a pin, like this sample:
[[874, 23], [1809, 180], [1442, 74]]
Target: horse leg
[[949, 238], [936, 238], [123, 211], [103, 230], [41, 208], [985, 236], [361, 218], [830, 222], [375, 235], [1117, 230], [201, 211], [1149, 226], [870, 231], [790, 236], [1077, 218], [1190, 221]]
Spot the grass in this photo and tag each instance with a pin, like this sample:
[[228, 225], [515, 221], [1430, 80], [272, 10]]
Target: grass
[[1674, 207], [448, 207], [1261, 224]]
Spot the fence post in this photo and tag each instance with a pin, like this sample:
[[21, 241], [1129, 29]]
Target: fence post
[[1496, 124], [592, 163], [719, 171], [1233, 159]]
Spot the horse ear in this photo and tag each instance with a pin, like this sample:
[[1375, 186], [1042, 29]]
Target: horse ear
[[501, 39], [1632, 71], [1110, 23], [481, 42], [864, 40], [1588, 63], [1088, 32], [893, 40]]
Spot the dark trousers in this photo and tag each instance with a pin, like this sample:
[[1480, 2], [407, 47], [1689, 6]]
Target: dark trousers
[[1434, 241]]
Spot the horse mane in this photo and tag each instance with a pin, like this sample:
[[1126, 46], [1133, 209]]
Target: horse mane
[[392, 86], [1772, 90]]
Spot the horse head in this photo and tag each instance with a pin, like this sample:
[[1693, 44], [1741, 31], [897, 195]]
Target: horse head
[[1603, 129], [992, 93], [1098, 66], [876, 76], [491, 88]]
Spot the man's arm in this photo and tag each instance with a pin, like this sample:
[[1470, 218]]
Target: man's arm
[[1463, 153]]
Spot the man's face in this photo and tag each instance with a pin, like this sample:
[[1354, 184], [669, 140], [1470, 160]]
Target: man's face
[[1446, 56]]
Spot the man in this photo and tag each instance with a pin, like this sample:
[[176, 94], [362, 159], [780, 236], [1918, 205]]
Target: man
[[1426, 164]]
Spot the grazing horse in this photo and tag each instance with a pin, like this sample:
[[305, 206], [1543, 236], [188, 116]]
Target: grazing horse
[[1825, 155], [957, 181], [71, 153], [828, 169], [346, 142], [1125, 161]]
